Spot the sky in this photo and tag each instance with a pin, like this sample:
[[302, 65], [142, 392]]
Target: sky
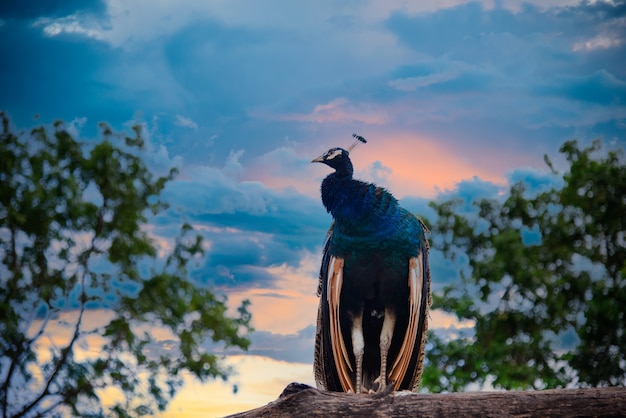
[[456, 98]]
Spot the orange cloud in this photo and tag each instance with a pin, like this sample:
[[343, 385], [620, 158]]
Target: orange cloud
[[441, 319], [290, 305], [260, 380], [419, 166]]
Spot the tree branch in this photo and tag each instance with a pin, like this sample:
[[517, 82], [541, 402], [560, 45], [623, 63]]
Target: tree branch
[[66, 351], [302, 400]]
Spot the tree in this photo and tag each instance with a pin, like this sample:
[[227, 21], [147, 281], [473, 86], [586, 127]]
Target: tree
[[73, 234], [544, 282]]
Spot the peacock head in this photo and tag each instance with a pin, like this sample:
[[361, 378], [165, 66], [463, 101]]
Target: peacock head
[[339, 158], [335, 158]]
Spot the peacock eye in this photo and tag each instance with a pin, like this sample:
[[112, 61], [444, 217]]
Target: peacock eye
[[333, 153]]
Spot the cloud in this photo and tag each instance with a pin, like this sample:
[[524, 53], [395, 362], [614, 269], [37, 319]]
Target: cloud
[[289, 303], [472, 190], [285, 167], [413, 83], [75, 24], [292, 348], [47, 84], [259, 380], [251, 72], [233, 166], [379, 172], [501, 35], [74, 127], [598, 42], [209, 190], [50, 8], [600, 87], [247, 226], [186, 121], [338, 110], [421, 166], [535, 180]]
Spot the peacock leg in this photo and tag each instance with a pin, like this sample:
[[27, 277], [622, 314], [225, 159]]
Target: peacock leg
[[385, 342], [358, 348]]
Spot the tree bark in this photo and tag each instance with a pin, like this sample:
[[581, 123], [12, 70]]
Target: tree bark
[[304, 401]]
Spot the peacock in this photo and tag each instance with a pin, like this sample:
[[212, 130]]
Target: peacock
[[374, 286]]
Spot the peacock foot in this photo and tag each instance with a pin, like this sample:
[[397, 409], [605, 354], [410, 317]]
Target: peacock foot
[[382, 384]]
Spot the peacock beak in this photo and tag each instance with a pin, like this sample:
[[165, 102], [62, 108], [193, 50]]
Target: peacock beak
[[319, 159]]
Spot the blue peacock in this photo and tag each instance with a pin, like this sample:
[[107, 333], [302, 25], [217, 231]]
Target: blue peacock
[[374, 286]]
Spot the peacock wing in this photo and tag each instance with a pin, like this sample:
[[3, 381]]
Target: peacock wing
[[410, 358], [338, 346], [331, 363]]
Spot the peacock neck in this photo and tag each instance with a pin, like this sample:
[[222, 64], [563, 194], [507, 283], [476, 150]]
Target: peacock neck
[[334, 187]]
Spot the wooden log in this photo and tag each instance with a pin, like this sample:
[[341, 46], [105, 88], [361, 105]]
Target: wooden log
[[298, 400]]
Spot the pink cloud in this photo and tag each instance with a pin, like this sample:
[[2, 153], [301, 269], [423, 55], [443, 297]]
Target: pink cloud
[[407, 163], [338, 110], [415, 165]]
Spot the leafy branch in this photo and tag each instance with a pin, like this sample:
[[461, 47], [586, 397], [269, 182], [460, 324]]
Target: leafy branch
[[73, 238]]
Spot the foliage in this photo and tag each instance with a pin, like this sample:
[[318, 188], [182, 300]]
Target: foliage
[[545, 282], [73, 237]]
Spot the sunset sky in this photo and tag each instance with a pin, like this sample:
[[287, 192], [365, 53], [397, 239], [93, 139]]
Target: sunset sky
[[456, 98]]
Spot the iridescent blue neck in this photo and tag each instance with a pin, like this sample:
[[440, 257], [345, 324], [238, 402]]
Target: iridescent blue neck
[[334, 188]]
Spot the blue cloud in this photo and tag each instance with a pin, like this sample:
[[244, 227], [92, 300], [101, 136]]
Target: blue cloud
[[294, 348], [469, 191], [56, 78], [534, 180], [469, 32], [248, 226], [48, 8], [467, 27], [524, 50], [600, 87]]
